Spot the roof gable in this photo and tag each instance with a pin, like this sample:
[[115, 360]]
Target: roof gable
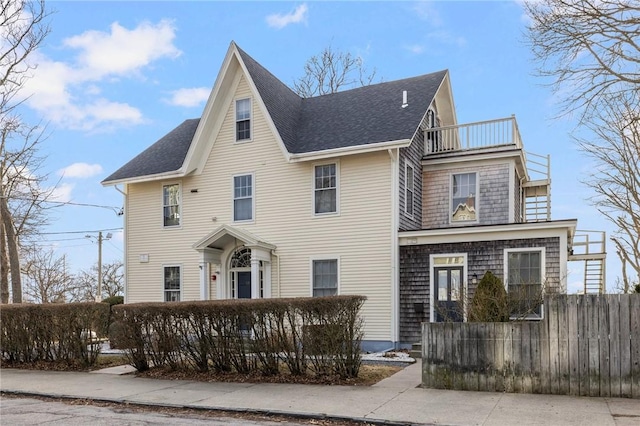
[[369, 117]]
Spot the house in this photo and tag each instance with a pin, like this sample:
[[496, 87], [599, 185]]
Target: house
[[374, 191]]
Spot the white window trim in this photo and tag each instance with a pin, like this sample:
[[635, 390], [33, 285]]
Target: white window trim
[[253, 197], [465, 283], [173, 265], [235, 120], [313, 189], [450, 206], [328, 257], [409, 165], [543, 273], [180, 205]]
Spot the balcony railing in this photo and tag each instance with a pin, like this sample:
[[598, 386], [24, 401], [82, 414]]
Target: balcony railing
[[482, 134]]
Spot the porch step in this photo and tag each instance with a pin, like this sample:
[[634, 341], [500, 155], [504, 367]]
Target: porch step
[[416, 351]]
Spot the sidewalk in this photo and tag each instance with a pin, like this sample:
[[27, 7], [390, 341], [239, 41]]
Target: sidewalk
[[396, 399]]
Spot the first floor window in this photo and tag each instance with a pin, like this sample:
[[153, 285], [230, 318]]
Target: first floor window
[[325, 189], [463, 197], [171, 283], [171, 204], [325, 277], [524, 283], [242, 198]]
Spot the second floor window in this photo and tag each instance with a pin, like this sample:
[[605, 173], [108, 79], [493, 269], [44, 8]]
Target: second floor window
[[171, 204], [243, 119], [243, 198], [325, 189], [463, 197], [409, 185]]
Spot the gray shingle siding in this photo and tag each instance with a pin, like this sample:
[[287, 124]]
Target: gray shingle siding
[[482, 256], [492, 202], [412, 153]]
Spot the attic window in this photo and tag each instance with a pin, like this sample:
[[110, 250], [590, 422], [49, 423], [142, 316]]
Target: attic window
[[243, 119]]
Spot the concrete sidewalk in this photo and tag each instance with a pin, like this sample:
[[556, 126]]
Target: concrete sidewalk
[[397, 399]]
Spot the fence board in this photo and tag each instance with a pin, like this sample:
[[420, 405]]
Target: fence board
[[614, 344], [634, 337], [499, 360], [486, 346], [545, 369], [563, 347], [594, 347], [603, 340], [554, 354], [525, 357], [583, 346], [535, 358], [625, 346], [572, 327], [508, 357]]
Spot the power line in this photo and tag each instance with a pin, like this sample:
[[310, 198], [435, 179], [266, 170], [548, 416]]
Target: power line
[[117, 210], [79, 232]]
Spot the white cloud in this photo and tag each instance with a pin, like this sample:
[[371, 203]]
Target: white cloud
[[415, 48], [436, 29], [80, 170], [279, 21], [62, 192], [67, 93], [123, 51], [189, 97]]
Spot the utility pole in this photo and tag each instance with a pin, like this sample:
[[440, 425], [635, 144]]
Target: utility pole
[[99, 294], [100, 239]]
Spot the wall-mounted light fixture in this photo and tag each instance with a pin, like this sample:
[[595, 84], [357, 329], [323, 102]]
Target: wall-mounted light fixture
[[474, 279]]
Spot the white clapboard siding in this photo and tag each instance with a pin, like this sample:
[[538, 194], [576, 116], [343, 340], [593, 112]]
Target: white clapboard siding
[[361, 235]]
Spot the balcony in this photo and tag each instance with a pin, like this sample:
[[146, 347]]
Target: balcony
[[501, 132]]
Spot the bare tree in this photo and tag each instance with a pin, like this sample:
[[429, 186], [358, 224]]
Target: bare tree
[[588, 48], [23, 27], [616, 180], [331, 71], [47, 280], [591, 50], [86, 282]]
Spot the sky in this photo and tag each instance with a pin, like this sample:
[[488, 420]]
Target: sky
[[114, 77]]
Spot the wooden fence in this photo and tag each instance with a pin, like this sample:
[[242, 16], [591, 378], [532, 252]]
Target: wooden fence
[[586, 345]]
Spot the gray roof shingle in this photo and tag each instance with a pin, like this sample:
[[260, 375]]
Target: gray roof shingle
[[366, 115], [166, 155]]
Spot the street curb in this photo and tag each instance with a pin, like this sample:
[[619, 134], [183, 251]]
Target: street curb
[[269, 413]]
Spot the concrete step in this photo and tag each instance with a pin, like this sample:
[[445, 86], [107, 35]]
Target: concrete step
[[416, 351]]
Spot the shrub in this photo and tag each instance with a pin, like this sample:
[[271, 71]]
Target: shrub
[[245, 336], [61, 333], [490, 301], [114, 300]]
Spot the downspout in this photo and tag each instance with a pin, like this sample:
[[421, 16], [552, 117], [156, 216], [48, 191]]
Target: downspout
[[124, 238], [395, 290]]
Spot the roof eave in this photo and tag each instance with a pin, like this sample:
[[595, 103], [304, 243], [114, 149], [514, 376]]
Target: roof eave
[[348, 150], [146, 178]]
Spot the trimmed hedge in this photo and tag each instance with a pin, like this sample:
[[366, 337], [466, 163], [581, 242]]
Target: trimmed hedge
[[63, 333], [320, 336]]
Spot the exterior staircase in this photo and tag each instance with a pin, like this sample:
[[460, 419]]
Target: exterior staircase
[[536, 191], [416, 351], [589, 247]]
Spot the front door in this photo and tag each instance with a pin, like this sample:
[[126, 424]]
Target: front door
[[448, 297], [244, 284]]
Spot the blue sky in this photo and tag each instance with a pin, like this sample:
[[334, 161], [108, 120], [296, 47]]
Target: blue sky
[[114, 77]]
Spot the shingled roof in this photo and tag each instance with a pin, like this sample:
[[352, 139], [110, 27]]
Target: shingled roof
[[357, 117]]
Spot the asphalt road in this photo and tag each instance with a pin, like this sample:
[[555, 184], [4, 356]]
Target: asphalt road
[[16, 410]]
